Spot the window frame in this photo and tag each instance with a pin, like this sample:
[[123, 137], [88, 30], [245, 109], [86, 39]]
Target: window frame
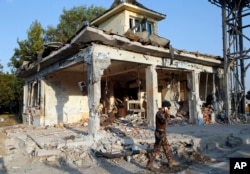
[[148, 25], [34, 92]]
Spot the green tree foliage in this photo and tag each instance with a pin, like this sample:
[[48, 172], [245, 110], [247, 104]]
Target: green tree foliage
[[71, 21], [29, 47], [10, 89], [1, 68]]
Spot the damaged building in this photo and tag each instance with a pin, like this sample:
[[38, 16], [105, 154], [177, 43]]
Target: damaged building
[[118, 64]]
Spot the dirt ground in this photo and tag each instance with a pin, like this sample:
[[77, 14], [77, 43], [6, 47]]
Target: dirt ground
[[199, 149], [9, 120]]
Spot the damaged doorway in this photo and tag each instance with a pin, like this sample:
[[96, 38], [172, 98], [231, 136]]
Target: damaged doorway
[[123, 90], [173, 86], [210, 94]]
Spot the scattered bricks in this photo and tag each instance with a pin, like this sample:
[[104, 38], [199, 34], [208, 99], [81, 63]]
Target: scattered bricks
[[207, 114], [43, 152]]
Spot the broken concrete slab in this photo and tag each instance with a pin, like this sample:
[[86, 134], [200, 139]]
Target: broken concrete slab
[[43, 152], [50, 137]]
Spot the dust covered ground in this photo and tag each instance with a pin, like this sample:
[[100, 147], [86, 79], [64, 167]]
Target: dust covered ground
[[120, 147]]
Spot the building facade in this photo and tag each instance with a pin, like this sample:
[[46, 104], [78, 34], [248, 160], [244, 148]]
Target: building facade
[[120, 62]]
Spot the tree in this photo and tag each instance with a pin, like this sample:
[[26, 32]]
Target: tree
[[71, 21], [10, 90], [1, 68], [29, 47]]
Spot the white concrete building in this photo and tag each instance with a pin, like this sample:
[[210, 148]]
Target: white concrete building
[[120, 61]]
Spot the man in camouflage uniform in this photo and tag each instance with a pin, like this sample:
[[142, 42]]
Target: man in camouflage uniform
[[162, 117]]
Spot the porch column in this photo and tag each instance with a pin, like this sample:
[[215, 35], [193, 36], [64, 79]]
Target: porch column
[[96, 65], [195, 115], [214, 101], [25, 97], [152, 94]]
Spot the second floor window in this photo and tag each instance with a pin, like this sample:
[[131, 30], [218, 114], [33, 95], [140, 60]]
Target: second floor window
[[141, 27]]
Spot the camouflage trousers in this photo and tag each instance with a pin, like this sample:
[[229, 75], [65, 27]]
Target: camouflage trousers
[[160, 141]]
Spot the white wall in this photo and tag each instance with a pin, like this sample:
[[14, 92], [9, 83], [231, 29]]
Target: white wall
[[63, 99], [119, 24], [115, 24]]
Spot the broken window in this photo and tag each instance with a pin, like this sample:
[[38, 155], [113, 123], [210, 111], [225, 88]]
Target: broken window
[[141, 26], [34, 91]]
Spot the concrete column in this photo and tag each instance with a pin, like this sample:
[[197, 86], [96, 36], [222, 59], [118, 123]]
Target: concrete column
[[94, 93], [96, 65], [25, 96], [195, 115], [214, 101], [152, 94], [25, 103]]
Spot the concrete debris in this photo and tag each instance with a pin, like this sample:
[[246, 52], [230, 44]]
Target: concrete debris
[[146, 39], [207, 114], [51, 158], [156, 40], [124, 139], [43, 152]]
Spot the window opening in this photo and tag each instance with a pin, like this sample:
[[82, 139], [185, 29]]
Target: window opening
[[34, 92], [141, 26]]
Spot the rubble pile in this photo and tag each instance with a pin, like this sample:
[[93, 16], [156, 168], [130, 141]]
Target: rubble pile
[[124, 140], [207, 114]]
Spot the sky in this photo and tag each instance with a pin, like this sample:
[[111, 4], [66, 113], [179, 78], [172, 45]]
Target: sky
[[191, 25]]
